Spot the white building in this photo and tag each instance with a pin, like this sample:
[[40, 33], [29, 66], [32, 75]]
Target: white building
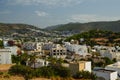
[[110, 52], [13, 49], [32, 46], [58, 51], [80, 66], [48, 46], [5, 56], [77, 49], [115, 66], [106, 74], [38, 63]]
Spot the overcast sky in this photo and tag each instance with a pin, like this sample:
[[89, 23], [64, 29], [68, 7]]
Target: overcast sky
[[43, 13]]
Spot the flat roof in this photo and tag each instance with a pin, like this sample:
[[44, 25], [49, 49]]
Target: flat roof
[[104, 70], [77, 62], [115, 65]]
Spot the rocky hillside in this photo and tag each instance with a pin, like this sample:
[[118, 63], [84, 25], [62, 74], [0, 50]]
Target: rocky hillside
[[23, 30]]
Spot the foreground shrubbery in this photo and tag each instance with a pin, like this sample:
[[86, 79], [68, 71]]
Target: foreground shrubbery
[[48, 72], [85, 75], [54, 72]]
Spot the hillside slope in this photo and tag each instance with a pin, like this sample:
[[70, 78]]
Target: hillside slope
[[104, 25], [20, 30]]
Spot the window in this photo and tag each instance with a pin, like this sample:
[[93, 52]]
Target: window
[[63, 53], [60, 53], [54, 50], [57, 53]]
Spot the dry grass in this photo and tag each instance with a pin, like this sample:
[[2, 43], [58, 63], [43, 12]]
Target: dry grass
[[40, 79], [53, 78], [5, 67], [12, 78], [21, 78]]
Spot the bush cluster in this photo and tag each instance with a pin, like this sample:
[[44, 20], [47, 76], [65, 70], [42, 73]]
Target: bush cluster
[[46, 71]]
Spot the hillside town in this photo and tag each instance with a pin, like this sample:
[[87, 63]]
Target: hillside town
[[99, 62]]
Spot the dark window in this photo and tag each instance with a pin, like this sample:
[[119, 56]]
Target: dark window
[[54, 50]]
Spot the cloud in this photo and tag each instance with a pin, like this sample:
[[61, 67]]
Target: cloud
[[5, 12], [45, 2], [91, 18], [41, 13]]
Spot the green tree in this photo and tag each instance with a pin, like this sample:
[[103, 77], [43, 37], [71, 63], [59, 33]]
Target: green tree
[[23, 58], [114, 60], [46, 72], [20, 59], [61, 71], [32, 59], [107, 61], [1, 44], [16, 59], [25, 71]]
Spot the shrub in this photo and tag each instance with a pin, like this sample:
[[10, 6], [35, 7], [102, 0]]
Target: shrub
[[85, 75], [25, 71]]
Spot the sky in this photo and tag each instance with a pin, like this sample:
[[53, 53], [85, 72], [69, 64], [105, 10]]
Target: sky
[[44, 13]]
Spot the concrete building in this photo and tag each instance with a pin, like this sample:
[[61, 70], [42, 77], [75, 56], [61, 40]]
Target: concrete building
[[115, 66], [58, 51], [32, 46], [106, 74], [13, 49], [110, 52], [77, 49], [5, 56], [80, 66], [38, 63], [48, 46]]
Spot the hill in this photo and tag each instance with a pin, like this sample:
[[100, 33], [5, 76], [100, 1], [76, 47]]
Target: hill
[[97, 37], [103, 25], [22, 30]]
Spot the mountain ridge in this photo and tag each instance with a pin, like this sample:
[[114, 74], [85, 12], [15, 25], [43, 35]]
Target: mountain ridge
[[103, 25]]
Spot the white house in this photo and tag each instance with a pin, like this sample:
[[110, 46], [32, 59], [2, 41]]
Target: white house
[[5, 56], [77, 49], [38, 63], [115, 66], [110, 52], [13, 49], [79, 66], [106, 74]]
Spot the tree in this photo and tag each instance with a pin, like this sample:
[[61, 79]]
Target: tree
[[16, 59], [61, 71], [25, 71], [32, 59], [1, 44], [46, 72], [20, 59], [23, 58], [114, 60], [107, 61]]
